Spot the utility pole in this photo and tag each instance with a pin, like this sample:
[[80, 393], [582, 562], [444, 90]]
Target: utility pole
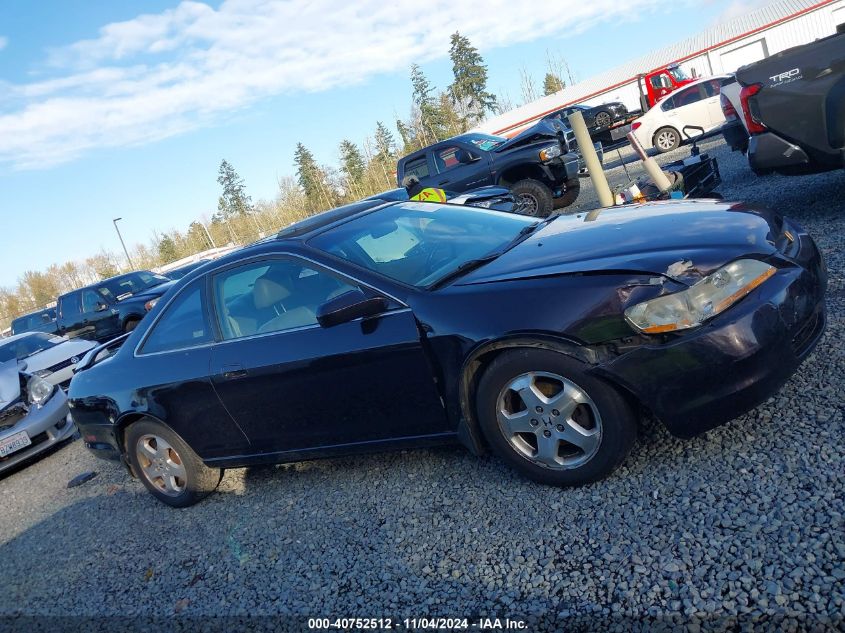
[[129, 259]]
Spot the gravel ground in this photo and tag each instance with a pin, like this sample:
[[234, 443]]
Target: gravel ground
[[741, 528]]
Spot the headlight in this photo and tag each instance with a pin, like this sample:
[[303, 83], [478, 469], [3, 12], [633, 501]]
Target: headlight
[[550, 152], [707, 298], [484, 204], [149, 305], [39, 390]]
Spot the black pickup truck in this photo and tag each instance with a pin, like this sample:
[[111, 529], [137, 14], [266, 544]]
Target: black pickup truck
[[40, 321], [793, 106], [540, 166], [107, 309]]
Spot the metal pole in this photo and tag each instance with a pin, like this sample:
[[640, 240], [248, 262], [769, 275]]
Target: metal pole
[[120, 237], [585, 145]]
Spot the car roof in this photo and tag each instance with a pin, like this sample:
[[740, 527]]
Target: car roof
[[102, 281], [326, 218]]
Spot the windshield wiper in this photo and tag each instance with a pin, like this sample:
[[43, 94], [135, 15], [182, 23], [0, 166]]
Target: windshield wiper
[[464, 268]]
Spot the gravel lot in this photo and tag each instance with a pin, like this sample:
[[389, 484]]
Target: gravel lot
[[741, 526]]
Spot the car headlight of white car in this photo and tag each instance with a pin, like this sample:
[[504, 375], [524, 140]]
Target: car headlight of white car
[[39, 390], [702, 301]]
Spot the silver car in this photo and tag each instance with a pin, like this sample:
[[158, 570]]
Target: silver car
[[33, 415], [48, 356]]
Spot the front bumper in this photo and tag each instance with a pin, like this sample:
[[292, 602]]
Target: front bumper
[[45, 426], [737, 361]]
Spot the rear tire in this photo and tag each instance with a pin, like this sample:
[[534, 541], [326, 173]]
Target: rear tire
[[603, 120], [535, 198], [666, 139], [167, 466], [572, 188], [547, 417]]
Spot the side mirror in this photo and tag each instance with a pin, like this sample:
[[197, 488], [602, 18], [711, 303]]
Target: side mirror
[[348, 307], [465, 157], [100, 307]]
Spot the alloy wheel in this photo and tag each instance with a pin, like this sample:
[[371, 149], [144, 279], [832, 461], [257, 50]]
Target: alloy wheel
[[549, 420], [161, 465], [602, 119]]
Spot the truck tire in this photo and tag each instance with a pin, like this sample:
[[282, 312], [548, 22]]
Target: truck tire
[[572, 188], [534, 198], [666, 139]]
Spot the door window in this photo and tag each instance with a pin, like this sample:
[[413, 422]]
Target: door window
[[184, 323], [90, 301], [712, 88], [70, 305], [447, 158], [688, 96], [417, 167], [272, 296], [668, 104], [660, 80]]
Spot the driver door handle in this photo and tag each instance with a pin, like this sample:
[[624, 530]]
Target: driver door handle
[[233, 372], [443, 182]]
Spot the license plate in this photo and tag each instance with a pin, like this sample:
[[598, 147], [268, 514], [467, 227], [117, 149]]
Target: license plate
[[14, 443]]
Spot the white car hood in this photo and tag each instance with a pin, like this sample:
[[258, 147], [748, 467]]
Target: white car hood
[[10, 384], [57, 354]]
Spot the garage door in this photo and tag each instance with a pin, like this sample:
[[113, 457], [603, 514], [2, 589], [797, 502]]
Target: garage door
[[746, 54]]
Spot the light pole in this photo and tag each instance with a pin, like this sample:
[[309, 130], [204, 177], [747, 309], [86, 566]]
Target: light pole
[[129, 259]]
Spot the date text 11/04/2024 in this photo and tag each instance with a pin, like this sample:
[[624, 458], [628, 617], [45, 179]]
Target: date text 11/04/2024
[[417, 624]]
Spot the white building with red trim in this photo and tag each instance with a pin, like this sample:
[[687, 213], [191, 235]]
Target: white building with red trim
[[720, 49]]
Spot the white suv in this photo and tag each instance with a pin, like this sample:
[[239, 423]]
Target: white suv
[[696, 104]]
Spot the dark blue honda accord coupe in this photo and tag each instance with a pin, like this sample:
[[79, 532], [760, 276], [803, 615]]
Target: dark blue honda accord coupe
[[393, 325]]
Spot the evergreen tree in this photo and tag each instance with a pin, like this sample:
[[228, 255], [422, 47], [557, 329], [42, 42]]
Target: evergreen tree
[[430, 115], [351, 164], [167, 251], [468, 92], [552, 84], [307, 172], [385, 144], [233, 201]]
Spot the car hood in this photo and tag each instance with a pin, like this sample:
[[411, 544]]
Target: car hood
[[150, 293], [682, 240], [543, 132], [10, 384], [55, 355]]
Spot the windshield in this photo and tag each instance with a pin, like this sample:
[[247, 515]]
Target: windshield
[[419, 243], [127, 285], [26, 346], [485, 142], [677, 73]]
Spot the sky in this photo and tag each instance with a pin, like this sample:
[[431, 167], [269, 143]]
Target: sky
[[124, 109]]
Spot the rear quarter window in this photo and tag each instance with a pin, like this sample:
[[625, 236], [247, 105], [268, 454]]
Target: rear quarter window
[[183, 324]]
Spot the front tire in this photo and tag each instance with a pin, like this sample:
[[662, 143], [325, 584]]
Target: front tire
[[545, 416], [167, 466], [572, 188], [130, 325], [666, 139], [535, 198]]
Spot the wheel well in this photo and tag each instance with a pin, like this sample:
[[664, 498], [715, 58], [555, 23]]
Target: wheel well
[[515, 174], [478, 362], [131, 317]]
